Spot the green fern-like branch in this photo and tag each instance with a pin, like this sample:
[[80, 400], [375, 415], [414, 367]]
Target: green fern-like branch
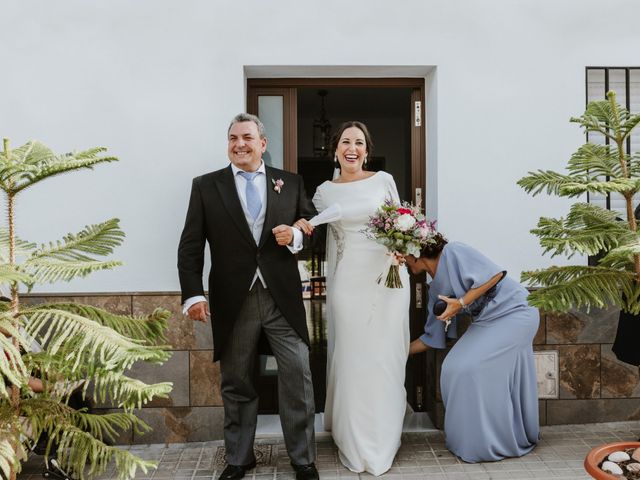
[[99, 239], [622, 257], [82, 452], [545, 180], [11, 274], [34, 162], [579, 186], [106, 384], [630, 123], [603, 116], [12, 367], [564, 288], [82, 346], [108, 426], [43, 270], [78, 449], [588, 229], [633, 163], [556, 238], [608, 118], [9, 457], [45, 413], [8, 460], [22, 248], [125, 392], [56, 328], [595, 161], [147, 328], [12, 451]]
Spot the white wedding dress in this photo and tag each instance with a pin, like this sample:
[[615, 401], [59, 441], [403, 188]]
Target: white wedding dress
[[368, 330]]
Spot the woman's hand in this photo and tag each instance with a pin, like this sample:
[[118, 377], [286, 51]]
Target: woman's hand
[[417, 347], [453, 308], [304, 226], [400, 258]]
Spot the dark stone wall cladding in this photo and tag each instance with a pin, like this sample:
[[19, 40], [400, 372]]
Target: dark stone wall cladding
[[594, 385]]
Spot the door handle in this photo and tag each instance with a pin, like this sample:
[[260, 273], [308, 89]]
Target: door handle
[[418, 294]]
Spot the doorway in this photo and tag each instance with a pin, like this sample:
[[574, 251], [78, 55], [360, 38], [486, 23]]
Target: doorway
[[299, 116]]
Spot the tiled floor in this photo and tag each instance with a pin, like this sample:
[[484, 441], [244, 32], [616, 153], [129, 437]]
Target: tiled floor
[[558, 456]]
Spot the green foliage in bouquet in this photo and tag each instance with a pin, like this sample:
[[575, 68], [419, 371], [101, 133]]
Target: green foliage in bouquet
[[588, 229], [82, 347]]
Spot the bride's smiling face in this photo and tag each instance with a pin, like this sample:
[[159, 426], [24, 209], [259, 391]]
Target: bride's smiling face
[[352, 150]]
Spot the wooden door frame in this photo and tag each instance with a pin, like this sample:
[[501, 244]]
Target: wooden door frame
[[287, 87], [290, 116]]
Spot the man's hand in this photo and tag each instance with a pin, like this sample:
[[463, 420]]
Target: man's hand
[[283, 234], [199, 312]]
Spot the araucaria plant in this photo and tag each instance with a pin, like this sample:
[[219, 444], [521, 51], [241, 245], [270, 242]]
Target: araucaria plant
[[589, 229], [81, 348]]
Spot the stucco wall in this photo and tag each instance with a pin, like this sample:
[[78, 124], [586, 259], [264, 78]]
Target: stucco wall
[[157, 82]]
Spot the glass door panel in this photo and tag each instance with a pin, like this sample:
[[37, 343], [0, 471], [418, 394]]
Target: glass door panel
[[271, 112]]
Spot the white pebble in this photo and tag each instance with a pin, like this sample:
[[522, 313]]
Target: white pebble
[[633, 467], [612, 468], [636, 454], [619, 457]]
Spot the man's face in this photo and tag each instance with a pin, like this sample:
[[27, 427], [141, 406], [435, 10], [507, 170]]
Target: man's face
[[245, 147], [413, 265]]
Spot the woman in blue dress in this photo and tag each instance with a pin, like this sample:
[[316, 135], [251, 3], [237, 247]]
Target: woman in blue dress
[[488, 379]]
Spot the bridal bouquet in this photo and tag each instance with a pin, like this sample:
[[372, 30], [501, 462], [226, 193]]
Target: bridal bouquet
[[403, 229]]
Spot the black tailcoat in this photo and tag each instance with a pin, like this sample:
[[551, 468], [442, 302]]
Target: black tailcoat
[[215, 216]]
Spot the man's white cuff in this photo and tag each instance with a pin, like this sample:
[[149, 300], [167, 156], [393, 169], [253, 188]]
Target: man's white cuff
[[297, 241]]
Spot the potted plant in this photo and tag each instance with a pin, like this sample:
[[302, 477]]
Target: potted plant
[[82, 347], [597, 169]]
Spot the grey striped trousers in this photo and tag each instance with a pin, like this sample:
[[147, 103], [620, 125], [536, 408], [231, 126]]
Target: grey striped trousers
[[295, 389]]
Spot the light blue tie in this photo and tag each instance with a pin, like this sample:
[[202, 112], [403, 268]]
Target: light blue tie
[[254, 204]]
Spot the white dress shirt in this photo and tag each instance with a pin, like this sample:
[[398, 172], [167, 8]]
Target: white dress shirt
[[255, 225]]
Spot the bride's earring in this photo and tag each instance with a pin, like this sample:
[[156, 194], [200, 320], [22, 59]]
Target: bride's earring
[[335, 160], [365, 160]]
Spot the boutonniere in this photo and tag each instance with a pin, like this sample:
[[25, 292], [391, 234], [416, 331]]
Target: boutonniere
[[277, 184]]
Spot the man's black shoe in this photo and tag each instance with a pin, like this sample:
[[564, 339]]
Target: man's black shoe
[[235, 472], [305, 472]]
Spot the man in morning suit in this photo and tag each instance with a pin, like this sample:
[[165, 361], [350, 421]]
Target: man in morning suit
[[243, 212]]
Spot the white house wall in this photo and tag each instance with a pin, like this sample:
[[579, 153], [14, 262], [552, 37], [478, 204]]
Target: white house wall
[[158, 81]]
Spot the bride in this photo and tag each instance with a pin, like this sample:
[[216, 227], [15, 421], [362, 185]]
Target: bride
[[368, 323]]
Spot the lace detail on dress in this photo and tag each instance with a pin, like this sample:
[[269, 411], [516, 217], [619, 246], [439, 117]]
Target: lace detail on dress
[[475, 309], [338, 237]]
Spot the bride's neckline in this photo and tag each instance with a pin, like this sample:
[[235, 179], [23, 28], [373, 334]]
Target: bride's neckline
[[354, 181]]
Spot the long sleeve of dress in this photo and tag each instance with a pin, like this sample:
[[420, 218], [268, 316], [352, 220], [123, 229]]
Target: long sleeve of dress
[[468, 268], [318, 200], [460, 269], [392, 189]]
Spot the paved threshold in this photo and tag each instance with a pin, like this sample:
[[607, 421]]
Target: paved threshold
[[423, 455]]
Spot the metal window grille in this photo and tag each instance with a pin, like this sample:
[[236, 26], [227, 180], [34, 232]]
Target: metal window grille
[[625, 81]]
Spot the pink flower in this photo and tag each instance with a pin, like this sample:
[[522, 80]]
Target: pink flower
[[424, 232], [277, 184]]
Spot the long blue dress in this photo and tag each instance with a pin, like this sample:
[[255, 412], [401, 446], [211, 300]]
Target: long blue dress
[[488, 379]]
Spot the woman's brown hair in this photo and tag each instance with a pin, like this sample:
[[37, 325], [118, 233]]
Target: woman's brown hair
[[432, 250]]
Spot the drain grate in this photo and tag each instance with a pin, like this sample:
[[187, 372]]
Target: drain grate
[[262, 453]]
